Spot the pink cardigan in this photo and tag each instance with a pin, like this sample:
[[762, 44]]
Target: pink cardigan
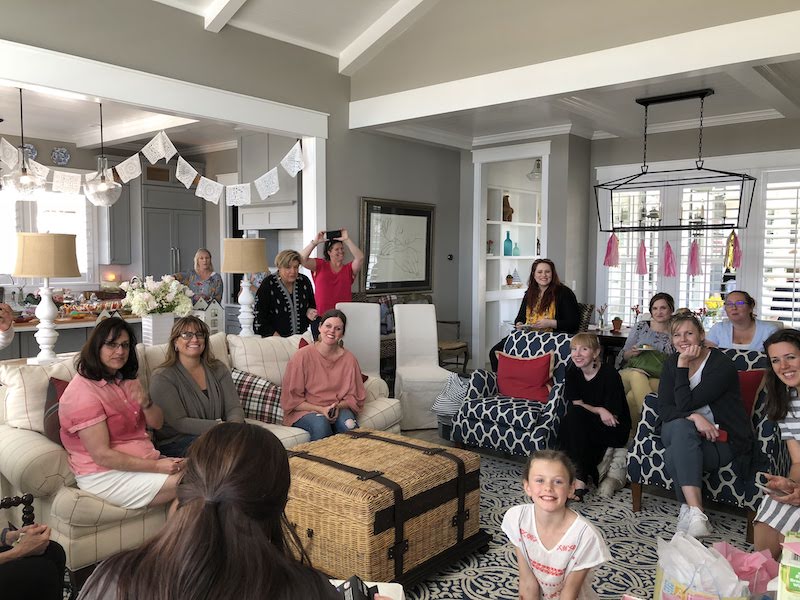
[[310, 377]]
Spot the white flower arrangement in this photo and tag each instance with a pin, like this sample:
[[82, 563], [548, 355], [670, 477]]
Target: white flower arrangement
[[150, 296]]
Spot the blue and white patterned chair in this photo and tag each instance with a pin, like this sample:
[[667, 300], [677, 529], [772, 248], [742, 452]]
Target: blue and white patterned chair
[[514, 425], [646, 453]]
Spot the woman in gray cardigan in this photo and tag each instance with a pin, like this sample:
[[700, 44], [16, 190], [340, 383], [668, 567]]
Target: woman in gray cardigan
[[194, 390]]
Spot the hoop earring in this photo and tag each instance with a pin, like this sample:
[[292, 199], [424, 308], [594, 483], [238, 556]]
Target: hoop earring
[[176, 347]]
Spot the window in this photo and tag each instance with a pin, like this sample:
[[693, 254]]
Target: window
[[780, 284], [51, 212], [625, 287]]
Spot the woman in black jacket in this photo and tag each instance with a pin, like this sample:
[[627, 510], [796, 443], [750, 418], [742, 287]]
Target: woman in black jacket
[[704, 423], [548, 305]]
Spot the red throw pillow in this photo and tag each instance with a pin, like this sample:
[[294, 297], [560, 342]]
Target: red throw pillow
[[749, 386], [529, 378], [52, 428], [303, 343]]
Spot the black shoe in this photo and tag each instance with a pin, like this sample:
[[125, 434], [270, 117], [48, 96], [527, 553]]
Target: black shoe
[[579, 494]]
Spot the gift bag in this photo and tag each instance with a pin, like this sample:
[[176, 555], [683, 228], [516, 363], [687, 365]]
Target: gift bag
[[756, 568], [687, 570]]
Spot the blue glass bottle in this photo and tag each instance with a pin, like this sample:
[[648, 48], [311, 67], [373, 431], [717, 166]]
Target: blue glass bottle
[[507, 245], [515, 252]]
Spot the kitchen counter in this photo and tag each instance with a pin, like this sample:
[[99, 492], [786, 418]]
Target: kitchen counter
[[72, 335]]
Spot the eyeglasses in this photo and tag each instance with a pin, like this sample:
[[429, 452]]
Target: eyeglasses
[[737, 303], [188, 335], [113, 346]]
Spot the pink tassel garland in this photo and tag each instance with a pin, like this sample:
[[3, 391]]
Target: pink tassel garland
[[612, 252], [694, 260], [670, 270], [641, 260]]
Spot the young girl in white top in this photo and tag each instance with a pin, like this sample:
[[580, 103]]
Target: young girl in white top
[[557, 549]]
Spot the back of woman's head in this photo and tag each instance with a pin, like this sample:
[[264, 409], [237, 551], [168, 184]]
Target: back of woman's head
[[778, 397], [88, 362], [228, 536]]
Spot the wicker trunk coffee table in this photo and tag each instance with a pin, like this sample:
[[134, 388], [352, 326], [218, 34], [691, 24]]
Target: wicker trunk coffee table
[[383, 506]]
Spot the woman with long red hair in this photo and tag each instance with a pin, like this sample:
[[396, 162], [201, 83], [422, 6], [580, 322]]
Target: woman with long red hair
[[548, 305]]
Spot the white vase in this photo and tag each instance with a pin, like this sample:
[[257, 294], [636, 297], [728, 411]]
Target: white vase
[[156, 328]]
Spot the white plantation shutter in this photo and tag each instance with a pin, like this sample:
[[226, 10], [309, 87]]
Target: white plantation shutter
[[780, 291]]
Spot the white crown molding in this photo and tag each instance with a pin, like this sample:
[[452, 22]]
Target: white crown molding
[[429, 135], [603, 135], [732, 119], [757, 39], [209, 148], [38, 66], [523, 134]]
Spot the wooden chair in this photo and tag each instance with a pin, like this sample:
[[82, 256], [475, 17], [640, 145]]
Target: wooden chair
[[27, 507], [453, 349]]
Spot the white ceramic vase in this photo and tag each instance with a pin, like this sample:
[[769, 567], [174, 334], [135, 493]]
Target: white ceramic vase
[[156, 328]]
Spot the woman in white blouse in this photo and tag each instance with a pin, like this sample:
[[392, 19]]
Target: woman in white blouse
[[742, 330]]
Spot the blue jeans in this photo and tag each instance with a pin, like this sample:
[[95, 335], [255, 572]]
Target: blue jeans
[[178, 447], [319, 427]]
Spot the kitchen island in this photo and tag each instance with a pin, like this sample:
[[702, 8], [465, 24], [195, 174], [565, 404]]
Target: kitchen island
[[72, 334]]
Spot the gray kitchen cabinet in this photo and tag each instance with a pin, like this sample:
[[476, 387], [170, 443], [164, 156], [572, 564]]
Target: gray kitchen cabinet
[[258, 153], [115, 230], [173, 228]]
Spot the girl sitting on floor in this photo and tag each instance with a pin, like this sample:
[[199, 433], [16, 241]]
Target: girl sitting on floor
[[557, 549]]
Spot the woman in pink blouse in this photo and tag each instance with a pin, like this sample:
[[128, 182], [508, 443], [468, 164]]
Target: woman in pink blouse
[[103, 415], [322, 387]]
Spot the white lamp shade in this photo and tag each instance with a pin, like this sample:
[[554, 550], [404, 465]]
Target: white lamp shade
[[46, 255], [244, 255]]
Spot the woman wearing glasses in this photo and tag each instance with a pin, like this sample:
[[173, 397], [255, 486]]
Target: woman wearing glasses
[[103, 415], [742, 330], [194, 390]]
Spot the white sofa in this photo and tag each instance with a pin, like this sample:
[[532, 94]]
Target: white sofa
[[89, 528]]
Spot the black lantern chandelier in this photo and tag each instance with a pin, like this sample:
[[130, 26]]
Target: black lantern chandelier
[[734, 191]]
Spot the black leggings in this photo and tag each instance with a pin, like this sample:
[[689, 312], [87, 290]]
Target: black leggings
[[584, 438], [34, 577]]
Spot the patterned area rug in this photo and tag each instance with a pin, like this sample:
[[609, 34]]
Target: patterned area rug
[[631, 538]]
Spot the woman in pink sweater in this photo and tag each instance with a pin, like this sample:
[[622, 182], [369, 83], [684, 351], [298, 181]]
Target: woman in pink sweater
[[322, 387]]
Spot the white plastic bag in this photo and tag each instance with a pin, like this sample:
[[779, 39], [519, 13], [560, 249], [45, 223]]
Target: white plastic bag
[[686, 561]]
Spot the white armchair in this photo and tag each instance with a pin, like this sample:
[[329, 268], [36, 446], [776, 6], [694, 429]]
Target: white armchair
[[363, 334], [418, 376]]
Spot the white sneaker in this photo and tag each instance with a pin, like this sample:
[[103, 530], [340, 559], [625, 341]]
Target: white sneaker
[[698, 523], [683, 519]]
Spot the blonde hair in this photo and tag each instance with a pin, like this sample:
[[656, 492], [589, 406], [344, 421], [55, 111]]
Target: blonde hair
[[590, 340], [285, 258], [197, 255], [684, 315]]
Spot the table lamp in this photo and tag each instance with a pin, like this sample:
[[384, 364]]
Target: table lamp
[[245, 255], [46, 255]]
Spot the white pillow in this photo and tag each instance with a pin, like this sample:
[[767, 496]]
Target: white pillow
[[265, 357], [26, 391]]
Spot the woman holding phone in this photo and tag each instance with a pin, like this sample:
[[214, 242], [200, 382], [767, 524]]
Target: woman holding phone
[[333, 278], [780, 511], [322, 387]]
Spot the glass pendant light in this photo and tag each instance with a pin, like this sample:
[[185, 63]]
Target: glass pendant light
[[536, 171], [102, 190], [23, 181]]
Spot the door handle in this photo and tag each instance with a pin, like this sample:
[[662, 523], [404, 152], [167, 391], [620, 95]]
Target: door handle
[[178, 253], [172, 259]]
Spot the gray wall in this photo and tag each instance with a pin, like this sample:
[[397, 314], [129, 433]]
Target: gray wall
[[503, 34], [151, 37]]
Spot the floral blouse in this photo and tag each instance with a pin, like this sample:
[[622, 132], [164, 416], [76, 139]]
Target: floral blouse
[[642, 334], [207, 289]]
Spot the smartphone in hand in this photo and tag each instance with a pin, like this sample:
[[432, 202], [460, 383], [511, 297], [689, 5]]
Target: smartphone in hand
[[333, 234], [761, 483], [332, 412]]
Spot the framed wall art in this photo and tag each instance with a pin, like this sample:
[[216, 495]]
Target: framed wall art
[[398, 246]]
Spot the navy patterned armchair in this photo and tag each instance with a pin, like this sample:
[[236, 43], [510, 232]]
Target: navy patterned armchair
[[646, 453], [516, 426]]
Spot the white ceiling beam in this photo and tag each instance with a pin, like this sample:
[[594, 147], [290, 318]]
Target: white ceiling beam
[[220, 12], [769, 83], [128, 131], [758, 40], [381, 33]]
